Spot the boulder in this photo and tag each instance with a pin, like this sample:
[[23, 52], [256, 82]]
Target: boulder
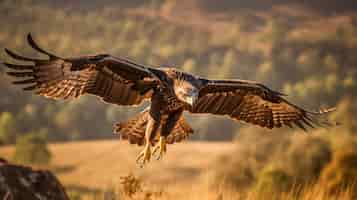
[[24, 183]]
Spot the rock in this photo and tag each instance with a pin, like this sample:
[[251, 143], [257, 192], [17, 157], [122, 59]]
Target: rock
[[23, 183]]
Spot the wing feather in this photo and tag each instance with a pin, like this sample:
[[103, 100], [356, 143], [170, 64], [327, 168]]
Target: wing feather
[[253, 103], [115, 80]]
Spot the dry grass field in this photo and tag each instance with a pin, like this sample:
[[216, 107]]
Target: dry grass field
[[94, 170], [93, 166]]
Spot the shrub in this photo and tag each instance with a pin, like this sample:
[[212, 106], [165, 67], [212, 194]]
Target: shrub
[[235, 174], [255, 147], [306, 157], [131, 185], [132, 188], [73, 195], [341, 173], [32, 149], [272, 181], [7, 128]]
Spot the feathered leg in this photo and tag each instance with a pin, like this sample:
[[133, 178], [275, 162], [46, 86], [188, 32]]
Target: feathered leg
[[167, 127], [151, 128], [154, 120]]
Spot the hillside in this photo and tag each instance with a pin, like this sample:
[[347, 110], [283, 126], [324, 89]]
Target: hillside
[[300, 52], [327, 7]]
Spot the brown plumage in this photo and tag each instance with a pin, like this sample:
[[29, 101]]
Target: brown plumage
[[134, 130], [171, 92], [254, 103]]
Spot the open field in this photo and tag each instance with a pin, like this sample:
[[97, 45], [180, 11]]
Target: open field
[[92, 168], [97, 165]]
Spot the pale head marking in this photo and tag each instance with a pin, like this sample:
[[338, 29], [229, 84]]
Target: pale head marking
[[186, 92]]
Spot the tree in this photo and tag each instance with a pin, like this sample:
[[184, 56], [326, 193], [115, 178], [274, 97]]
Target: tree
[[279, 32], [7, 128], [229, 62], [189, 65], [32, 149]]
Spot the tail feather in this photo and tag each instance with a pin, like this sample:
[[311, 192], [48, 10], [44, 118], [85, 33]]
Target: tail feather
[[181, 131], [134, 130]]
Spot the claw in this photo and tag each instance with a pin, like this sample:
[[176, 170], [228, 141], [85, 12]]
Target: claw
[[144, 156], [155, 153], [159, 149]]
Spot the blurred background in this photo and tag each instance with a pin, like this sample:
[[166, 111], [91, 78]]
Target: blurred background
[[305, 49]]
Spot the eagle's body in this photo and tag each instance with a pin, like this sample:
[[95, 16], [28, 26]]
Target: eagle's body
[[171, 92], [165, 94]]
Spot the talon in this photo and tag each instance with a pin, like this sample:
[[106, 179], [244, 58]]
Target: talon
[[156, 153], [159, 149], [144, 156]]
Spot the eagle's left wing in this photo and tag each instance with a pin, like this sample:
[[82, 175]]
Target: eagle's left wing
[[252, 102]]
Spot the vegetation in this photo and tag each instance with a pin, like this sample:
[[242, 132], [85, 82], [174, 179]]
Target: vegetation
[[7, 128], [240, 170], [315, 68], [341, 173], [305, 54], [32, 149]]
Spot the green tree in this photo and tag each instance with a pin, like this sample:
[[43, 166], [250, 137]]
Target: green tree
[[189, 65], [7, 128], [32, 149], [229, 62], [279, 32]]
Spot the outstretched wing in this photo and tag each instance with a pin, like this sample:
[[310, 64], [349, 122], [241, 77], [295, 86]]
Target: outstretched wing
[[253, 103], [115, 80]]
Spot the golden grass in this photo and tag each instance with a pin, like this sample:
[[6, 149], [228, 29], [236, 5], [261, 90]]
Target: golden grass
[[97, 164], [92, 167]]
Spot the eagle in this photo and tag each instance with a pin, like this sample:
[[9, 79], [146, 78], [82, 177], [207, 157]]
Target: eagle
[[119, 81]]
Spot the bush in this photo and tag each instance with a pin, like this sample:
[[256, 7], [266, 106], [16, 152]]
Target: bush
[[73, 195], [7, 128], [32, 149], [341, 173], [306, 157], [131, 185], [231, 173], [255, 148], [272, 181]]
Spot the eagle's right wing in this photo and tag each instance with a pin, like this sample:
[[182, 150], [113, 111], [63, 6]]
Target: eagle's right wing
[[115, 80]]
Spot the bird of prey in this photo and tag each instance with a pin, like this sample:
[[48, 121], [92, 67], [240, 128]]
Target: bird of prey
[[171, 92]]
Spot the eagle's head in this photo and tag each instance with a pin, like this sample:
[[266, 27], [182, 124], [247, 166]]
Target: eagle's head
[[186, 92]]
